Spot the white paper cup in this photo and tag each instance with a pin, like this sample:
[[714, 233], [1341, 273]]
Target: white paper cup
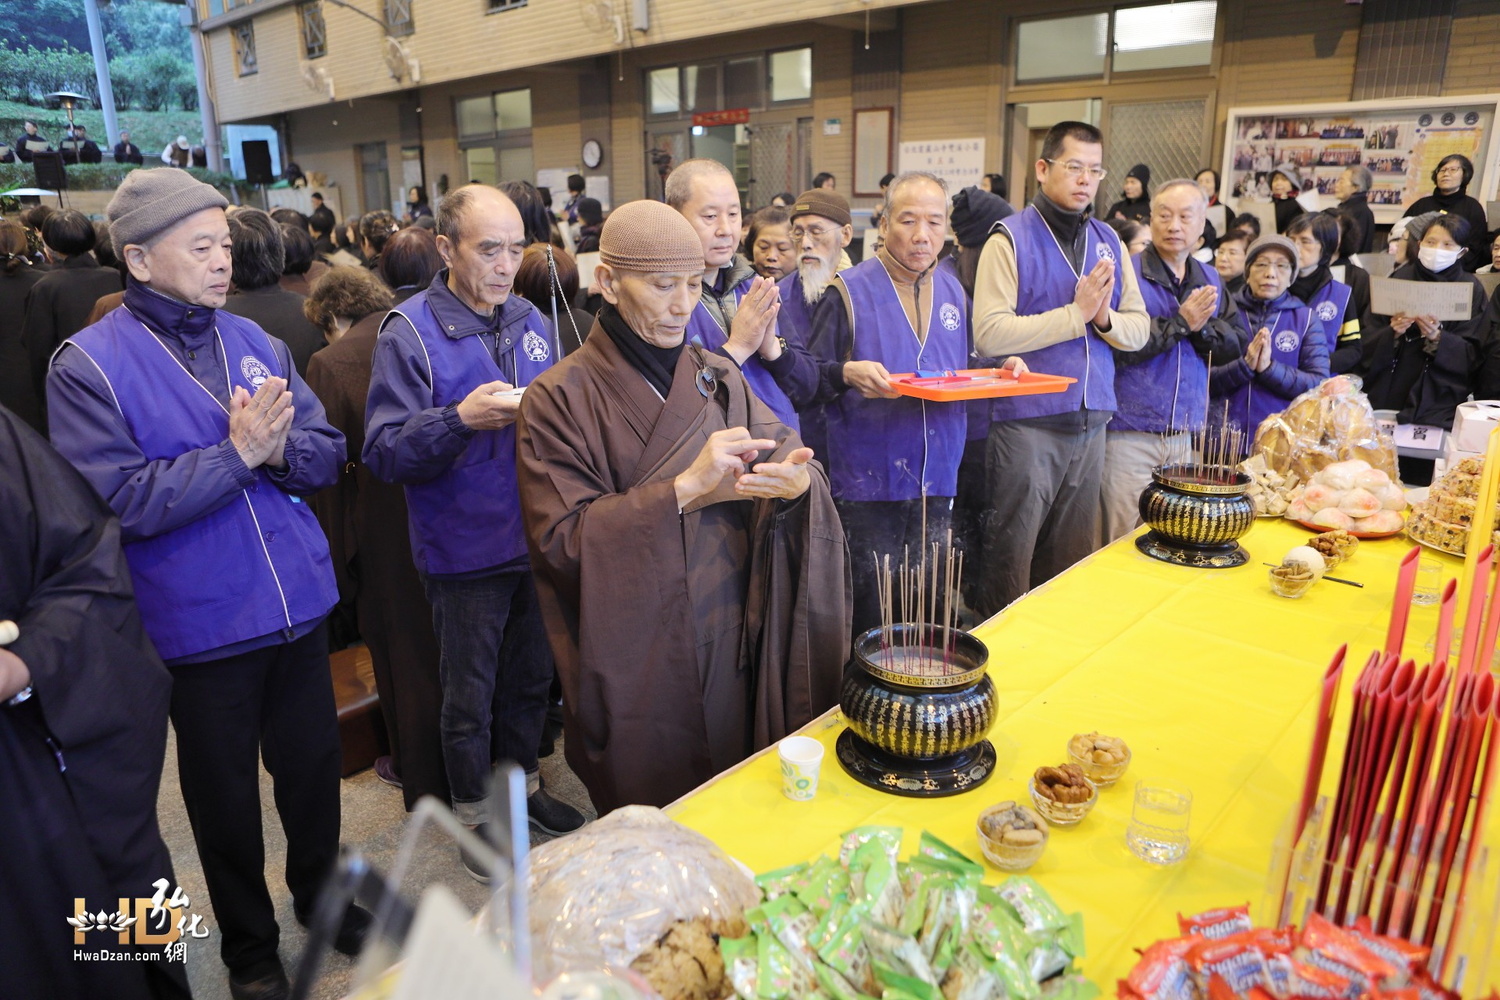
[[801, 759]]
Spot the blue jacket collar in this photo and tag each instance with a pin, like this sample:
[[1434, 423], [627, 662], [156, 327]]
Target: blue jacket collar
[[458, 320], [168, 316]]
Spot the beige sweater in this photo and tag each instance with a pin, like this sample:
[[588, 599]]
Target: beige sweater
[[999, 331]]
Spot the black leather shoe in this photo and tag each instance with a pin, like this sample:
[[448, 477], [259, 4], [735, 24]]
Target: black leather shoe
[[551, 816], [352, 932], [271, 986], [478, 870]]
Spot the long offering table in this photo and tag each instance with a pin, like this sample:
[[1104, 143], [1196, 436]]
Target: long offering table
[[1210, 678]]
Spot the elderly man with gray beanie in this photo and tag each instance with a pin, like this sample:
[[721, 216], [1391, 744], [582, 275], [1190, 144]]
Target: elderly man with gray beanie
[[662, 499], [194, 426]]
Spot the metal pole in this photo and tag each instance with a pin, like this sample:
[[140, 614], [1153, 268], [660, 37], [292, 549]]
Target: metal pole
[[101, 71], [206, 114]]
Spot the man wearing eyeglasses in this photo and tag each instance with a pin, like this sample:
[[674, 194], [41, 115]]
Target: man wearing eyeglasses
[[1053, 287]]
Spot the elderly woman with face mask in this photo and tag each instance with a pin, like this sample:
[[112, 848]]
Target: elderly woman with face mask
[[1416, 365], [1288, 349]]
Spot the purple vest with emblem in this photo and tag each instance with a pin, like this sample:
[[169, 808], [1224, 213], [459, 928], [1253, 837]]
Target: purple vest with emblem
[[1252, 403], [794, 322], [258, 564], [469, 518], [1046, 280], [705, 331], [1329, 304], [1169, 392], [897, 449]]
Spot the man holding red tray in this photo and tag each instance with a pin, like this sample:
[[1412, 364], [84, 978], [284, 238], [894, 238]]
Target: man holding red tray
[[1053, 286]]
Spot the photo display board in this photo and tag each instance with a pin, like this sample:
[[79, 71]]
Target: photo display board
[[1399, 142]]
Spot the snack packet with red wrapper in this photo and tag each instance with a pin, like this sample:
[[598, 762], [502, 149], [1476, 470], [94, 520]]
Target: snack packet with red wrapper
[[1408, 957], [1236, 959], [1217, 923], [1162, 973], [1327, 946]]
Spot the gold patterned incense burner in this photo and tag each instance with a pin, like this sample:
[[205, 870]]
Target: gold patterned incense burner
[[918, 703], [1197, 514]]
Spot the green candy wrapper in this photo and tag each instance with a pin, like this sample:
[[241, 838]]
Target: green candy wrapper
[[846, 952], [895, 986], [792, 924], [889, 836], [829, 922], [1039, 914], [784, 880], [872, 878], [973, 976], [825, 880], [932, 847], [899, 952], [741, 965]]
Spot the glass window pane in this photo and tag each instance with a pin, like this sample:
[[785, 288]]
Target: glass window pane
[[1062, 47], [1164, 36], [513, 109], [481, 164], [476, 116], [791, 75], [665, 91], [745, 83], [515, 165], [700, 88]]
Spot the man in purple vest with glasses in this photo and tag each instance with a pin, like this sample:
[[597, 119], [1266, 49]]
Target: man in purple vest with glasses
[[195, 427], [1054, 285], [445, 387]]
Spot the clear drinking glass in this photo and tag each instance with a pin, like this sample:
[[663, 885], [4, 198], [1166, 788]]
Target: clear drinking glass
[[1158, 830], [1429, 585]]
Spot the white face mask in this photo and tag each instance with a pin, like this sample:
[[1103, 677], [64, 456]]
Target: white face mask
[[1438, 259]]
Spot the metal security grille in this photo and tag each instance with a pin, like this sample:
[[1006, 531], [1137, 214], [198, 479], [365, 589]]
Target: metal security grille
[[398, 17], [244, 48], [1167, 136], [772, 163], [314, 31]]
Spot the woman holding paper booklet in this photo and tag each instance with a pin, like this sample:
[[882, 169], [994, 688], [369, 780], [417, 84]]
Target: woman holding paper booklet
[[1416, 365]]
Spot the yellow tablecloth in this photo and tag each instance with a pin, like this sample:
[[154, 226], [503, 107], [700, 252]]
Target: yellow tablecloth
[[1211, 679]]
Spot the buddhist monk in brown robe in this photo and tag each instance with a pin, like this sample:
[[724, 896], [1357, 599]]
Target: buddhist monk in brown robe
[[688, 557]]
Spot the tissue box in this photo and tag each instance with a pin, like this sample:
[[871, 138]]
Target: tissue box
[[1472, 424]]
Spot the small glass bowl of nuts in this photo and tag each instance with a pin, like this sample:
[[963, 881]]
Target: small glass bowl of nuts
[[1292, 578], [1102, 758], [1064, 795], [1012, 836]]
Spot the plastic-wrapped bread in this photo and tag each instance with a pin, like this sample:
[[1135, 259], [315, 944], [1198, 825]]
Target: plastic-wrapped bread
[[638, 889]]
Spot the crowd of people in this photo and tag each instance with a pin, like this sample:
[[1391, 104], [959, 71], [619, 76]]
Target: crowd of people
[[649, 515]]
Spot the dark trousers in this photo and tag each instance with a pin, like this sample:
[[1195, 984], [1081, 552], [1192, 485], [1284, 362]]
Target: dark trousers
[[273, 704], [881, 528], [1043, 513], [496, 667]]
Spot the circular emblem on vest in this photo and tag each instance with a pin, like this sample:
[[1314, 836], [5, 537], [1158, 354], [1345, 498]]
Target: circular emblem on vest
[[949, 316], [254, 370], [1327, 311], [1105, 252], [1287, 340], [535, 346]]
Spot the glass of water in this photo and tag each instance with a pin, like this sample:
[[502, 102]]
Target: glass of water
[[1429, 583], [1158, 830]]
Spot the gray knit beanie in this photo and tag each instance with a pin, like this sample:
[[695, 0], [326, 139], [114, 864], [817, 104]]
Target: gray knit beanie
[[151, 201], [650, 237]]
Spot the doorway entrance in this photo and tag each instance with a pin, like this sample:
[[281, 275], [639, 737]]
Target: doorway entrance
[[374, 177]]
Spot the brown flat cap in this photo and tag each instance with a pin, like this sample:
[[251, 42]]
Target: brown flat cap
[[820, 201], [650, 237]]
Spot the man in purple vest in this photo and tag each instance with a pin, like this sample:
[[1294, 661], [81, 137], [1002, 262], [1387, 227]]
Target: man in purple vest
[[195, 427], [737, 310], [1052, 286], [449, 369], [893, 460], [1161, 390]]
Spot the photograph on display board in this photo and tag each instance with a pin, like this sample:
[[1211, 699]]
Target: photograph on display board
[[1400, 147]]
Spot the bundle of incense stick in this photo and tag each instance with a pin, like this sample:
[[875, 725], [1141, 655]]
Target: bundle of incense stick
[[1210, 455], [922, 594], [1400, 841]]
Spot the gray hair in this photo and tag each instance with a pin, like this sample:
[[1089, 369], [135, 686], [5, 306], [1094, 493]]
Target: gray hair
[[452, 209], [911, 177], [1360, 177], [679, 186], [1180, 182]]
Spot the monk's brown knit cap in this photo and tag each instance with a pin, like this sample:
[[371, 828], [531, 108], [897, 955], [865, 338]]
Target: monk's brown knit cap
[[650, 237], [820, 201]]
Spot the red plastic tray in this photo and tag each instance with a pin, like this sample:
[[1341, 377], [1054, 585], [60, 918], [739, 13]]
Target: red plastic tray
[[978, 383]]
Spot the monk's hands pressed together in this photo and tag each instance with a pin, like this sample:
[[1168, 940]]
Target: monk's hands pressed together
[[784, 480], [258, 424], [485, 411], [754, 320], [725, 453], [870, 378]]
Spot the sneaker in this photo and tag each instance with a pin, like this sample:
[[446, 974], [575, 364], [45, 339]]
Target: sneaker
[[552, 816], [385, 770], [478, 871]]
